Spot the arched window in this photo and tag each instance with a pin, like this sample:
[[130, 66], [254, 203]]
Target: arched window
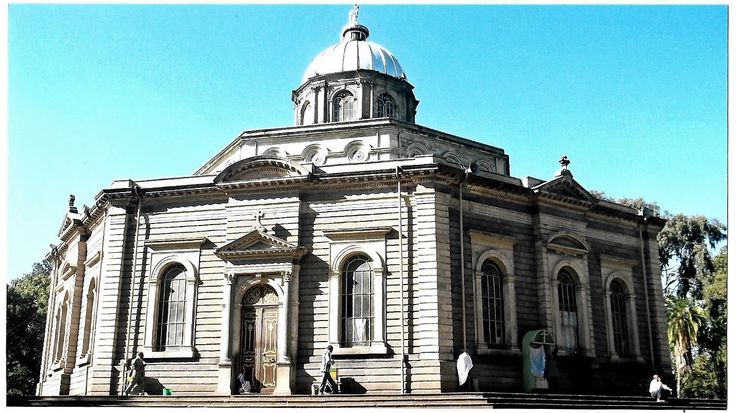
[[357, 302], [307, 115], [384, 106], [619, 317], [88, 316], [171, 312], [342, 107], [568, 336], [492, 295], [61, 330]]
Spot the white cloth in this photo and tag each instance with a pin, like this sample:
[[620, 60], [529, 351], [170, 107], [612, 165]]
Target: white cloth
[[464, 364], [656, 385], [326, 361], [537, 359]]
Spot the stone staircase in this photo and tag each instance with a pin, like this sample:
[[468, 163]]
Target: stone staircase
[[496, 400]]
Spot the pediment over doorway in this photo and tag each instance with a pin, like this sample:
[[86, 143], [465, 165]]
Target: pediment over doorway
[[258, 243]]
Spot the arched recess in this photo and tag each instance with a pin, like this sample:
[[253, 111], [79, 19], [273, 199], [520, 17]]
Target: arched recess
[[89, 311], [260, 167], [153, 308], [566, 249], [357, 151], [503, 261], [378, 270], [343, 106], [62, 316], [315, 154], [621, 317], [416, 149]]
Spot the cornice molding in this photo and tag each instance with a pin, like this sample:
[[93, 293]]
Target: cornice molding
[[357, 233], [185, 243]]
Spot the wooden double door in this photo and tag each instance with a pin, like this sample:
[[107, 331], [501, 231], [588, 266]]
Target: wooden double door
[[258, 349]]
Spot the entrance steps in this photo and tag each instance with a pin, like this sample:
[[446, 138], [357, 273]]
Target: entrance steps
[[496, 400]]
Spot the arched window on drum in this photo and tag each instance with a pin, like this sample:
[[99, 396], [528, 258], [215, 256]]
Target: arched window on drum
[[342, 107], [385, 107]]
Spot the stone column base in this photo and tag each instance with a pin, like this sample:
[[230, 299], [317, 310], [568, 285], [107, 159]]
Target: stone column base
[[224, 378], [283, 380]]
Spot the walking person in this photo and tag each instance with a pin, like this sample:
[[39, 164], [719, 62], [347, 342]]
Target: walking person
[[137, 375], [327, 362], [656, 386]]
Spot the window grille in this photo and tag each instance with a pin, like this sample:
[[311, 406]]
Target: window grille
[[306, 115], [492, 294], [172, 303], [342, 107], [357, 302], [618, 318], [385, 106], [88, 314], [568, 310]]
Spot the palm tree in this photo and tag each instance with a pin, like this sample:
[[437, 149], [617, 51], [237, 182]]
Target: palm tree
[[684, 318]]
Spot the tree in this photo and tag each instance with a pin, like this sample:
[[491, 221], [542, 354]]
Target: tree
[[684, 319], [688, 241], [708, 375], [636, 203], [27, 300]]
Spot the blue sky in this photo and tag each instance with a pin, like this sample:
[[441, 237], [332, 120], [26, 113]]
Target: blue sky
[[635, 96]]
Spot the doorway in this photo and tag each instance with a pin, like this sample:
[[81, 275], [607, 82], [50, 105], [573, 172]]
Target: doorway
[[258, 349]]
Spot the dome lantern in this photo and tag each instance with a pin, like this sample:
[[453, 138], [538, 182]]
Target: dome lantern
[[356, 79]]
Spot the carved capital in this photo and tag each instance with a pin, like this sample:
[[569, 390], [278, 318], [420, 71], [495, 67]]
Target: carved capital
[[229, 278], [286, 275]]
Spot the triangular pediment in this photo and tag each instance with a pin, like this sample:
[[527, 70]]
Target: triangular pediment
[[258, 243], [564, 188]]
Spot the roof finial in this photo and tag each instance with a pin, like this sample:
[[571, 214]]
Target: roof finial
[[353, 16], [354, 30], [72, 208], [564, 161], [259, 226]]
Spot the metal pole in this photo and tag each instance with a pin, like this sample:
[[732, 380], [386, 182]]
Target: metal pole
[[401, 277], [646, 299], [136, 191], [462, 258]]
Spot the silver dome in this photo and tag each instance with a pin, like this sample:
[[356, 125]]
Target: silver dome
[[354, 52]]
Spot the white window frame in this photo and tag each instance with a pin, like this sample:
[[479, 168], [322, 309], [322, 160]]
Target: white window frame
[[88, 324], [346, 244], [614, 268], [165, 254], [559, 256], [500, 250]]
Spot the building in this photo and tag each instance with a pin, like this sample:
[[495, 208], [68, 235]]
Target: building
[[399, 245]]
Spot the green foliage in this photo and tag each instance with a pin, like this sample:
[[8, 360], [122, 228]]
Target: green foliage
[[696, 303], [704, 381], [636, 203], [26, 321], [708, 375], [688, 241], [684, 318]]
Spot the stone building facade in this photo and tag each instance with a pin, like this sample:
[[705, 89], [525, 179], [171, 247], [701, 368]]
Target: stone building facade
[[400, 245]]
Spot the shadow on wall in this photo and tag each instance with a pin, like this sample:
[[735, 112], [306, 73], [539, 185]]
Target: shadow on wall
[[152, 386], [348, 385]]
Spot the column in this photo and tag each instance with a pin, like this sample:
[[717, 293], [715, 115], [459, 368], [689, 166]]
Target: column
[[633, 329], [510, 309], [283, 362], [609, 326], [225, 364], [283, 326]]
